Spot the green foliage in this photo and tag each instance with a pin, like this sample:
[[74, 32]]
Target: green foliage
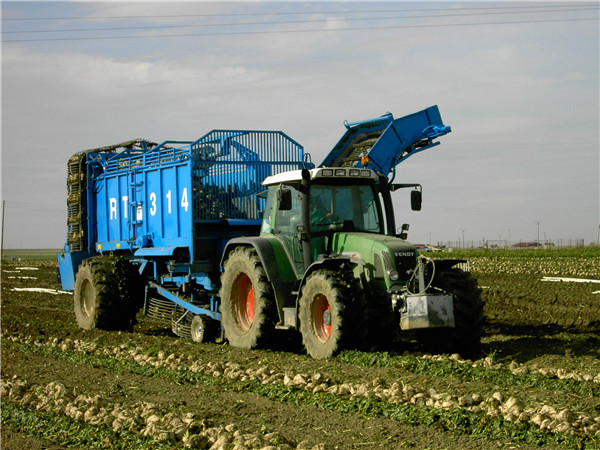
[[31, 254], [466, 372], [63, 431], [457, 420]]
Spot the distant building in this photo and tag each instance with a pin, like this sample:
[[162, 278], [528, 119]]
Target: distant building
[[527, 244]]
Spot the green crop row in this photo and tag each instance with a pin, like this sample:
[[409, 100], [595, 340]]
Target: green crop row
[[578, 252], [63, 431], [459, 421], [467, 372], [579, 262]]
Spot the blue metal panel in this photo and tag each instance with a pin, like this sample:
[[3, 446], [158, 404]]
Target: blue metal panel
[[155, 251], [405, 137], [164, 213], [101, 203], [144, 200], [68, 264], [113, 213]]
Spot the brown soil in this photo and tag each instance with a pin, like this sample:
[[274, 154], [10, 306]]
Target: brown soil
[[546, 325]]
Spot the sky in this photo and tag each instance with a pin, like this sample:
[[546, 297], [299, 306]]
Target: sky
[[517, 82]]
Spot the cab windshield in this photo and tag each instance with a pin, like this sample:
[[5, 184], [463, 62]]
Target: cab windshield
[[348, 207]]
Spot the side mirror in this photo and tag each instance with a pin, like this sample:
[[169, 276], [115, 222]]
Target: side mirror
[[403, 231], [416, 198], [284, 199]]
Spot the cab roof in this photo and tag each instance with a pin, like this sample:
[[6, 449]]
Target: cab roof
[[320, 173]]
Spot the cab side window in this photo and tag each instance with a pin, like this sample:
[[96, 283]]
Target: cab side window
[[286, 221]]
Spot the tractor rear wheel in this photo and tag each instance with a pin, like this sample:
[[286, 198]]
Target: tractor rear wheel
[[246, 300], [108, 293], [330, 313], [465, 337]]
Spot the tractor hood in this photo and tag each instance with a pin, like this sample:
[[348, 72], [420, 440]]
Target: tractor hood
[[381, 253]]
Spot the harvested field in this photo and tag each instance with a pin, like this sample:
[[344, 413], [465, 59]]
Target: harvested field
[[537, 384]]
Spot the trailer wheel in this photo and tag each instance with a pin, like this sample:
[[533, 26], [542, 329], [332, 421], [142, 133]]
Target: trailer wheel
[[246, 300], [331, 316], [203, 329], [107, 294], [465, 337]]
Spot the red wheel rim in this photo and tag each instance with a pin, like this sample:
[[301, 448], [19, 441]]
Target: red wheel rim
[[321, 313], [242, 302]]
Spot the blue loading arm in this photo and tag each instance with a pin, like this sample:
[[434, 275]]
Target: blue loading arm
[[387, 141]]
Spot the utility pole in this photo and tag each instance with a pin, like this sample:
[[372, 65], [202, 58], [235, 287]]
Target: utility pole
[[2, 239], [538, 234]]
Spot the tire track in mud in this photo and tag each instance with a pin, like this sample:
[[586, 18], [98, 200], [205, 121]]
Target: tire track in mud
[[401, 401]]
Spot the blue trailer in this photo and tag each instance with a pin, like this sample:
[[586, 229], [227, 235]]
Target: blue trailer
[[167, 209], [221, 237]]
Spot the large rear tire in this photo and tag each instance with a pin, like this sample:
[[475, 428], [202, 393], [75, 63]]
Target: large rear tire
[[465, 337], [108, 293], [331, 318], [247, 303]]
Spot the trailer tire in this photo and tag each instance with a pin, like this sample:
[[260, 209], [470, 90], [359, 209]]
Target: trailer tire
[[203, 329], [331, 313], [465, 337], [108, 293], [247, 301]]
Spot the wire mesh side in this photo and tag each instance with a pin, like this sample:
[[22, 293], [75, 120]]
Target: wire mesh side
[[230, 166]]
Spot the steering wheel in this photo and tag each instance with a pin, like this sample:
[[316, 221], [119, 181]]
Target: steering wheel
[[329, 219]]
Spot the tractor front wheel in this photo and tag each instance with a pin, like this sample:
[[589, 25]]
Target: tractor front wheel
[[329, 316], [246, 300]]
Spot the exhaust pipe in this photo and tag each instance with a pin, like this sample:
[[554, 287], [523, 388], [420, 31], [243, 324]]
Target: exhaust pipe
[[304, 228]]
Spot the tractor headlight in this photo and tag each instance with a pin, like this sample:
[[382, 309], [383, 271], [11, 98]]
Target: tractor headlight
[[393, 275]]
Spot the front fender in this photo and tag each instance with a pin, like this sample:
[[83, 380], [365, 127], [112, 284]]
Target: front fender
[[336, 264]]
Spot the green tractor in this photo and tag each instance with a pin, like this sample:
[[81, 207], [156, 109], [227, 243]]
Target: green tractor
[[329, 263], [178, 227]]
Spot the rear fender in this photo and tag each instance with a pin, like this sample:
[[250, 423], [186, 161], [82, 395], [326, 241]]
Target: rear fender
[[276, 264]]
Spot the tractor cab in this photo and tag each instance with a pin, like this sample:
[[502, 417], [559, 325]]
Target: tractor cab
[[335, 212], [314, 208]]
